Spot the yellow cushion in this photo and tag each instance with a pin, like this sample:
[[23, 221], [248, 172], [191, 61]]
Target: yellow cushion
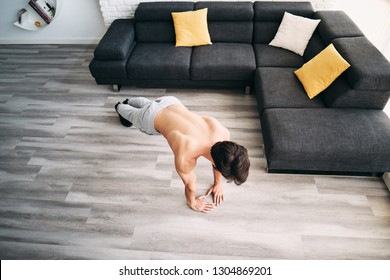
[[191, 28], [320, 72]]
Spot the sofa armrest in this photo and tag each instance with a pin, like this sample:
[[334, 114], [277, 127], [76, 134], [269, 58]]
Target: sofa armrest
[[117, 42], [336, 24], [370, 70]]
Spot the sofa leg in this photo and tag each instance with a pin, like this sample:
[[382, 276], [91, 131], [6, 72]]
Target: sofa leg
[[247, 90], [116, 88]]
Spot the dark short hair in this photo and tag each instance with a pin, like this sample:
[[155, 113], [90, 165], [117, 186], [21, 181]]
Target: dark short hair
[[231, 160]]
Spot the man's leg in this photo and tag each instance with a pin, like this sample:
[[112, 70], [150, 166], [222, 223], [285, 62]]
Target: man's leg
[[123, 121], [129, 111], [140, 112], [137, 102]]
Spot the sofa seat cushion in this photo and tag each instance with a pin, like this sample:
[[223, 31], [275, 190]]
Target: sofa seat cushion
[[279, 88], [270, 56], [348, 140], [223, 61], [159, 60]]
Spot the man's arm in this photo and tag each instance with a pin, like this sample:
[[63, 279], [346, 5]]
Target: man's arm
[[196, 203], [216, 188]]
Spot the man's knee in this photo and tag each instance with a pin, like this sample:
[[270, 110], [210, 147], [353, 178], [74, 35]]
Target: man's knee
[[139, 102]]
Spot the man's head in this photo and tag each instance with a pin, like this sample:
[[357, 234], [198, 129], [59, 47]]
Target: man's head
[[231, 160]]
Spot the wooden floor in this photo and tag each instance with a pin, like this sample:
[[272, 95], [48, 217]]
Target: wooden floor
[[75, 184]]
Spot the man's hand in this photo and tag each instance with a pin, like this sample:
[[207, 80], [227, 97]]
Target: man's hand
[[217, 192], [202, 206]]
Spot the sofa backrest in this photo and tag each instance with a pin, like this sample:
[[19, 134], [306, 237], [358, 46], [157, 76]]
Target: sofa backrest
[[229, 22], [268, 16], [154, 22], [336, 24]]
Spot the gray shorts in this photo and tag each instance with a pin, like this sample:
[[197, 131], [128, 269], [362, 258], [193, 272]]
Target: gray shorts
[[141, 112]]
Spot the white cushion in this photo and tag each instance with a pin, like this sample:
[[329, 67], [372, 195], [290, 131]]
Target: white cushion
[[294, 33]]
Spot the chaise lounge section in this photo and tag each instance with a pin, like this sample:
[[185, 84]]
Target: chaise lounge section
[[341, 130]]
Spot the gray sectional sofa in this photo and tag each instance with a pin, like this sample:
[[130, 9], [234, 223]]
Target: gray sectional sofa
[[343, 129]]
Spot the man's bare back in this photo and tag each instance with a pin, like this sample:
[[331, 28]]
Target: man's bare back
[[190, 136]]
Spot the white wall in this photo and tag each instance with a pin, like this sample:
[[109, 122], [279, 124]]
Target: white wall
[[76, 21]]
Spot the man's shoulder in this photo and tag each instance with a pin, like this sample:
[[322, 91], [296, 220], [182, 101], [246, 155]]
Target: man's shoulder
[[217, 129], [184, 163], [180, 143], [213, 121], [183, 148]]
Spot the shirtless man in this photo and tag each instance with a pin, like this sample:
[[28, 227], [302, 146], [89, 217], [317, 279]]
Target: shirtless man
[[189, 136]]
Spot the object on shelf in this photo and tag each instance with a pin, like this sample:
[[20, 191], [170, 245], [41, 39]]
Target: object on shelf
[[43, 9], [21, 12], [36, 14]]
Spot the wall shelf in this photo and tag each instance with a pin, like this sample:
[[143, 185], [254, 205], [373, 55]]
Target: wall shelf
[[31, 20]]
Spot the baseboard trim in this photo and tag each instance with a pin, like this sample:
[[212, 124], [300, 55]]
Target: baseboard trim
[[57, 41], [386, 179]]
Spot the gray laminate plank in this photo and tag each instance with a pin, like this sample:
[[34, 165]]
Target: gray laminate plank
[[346, 248]]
